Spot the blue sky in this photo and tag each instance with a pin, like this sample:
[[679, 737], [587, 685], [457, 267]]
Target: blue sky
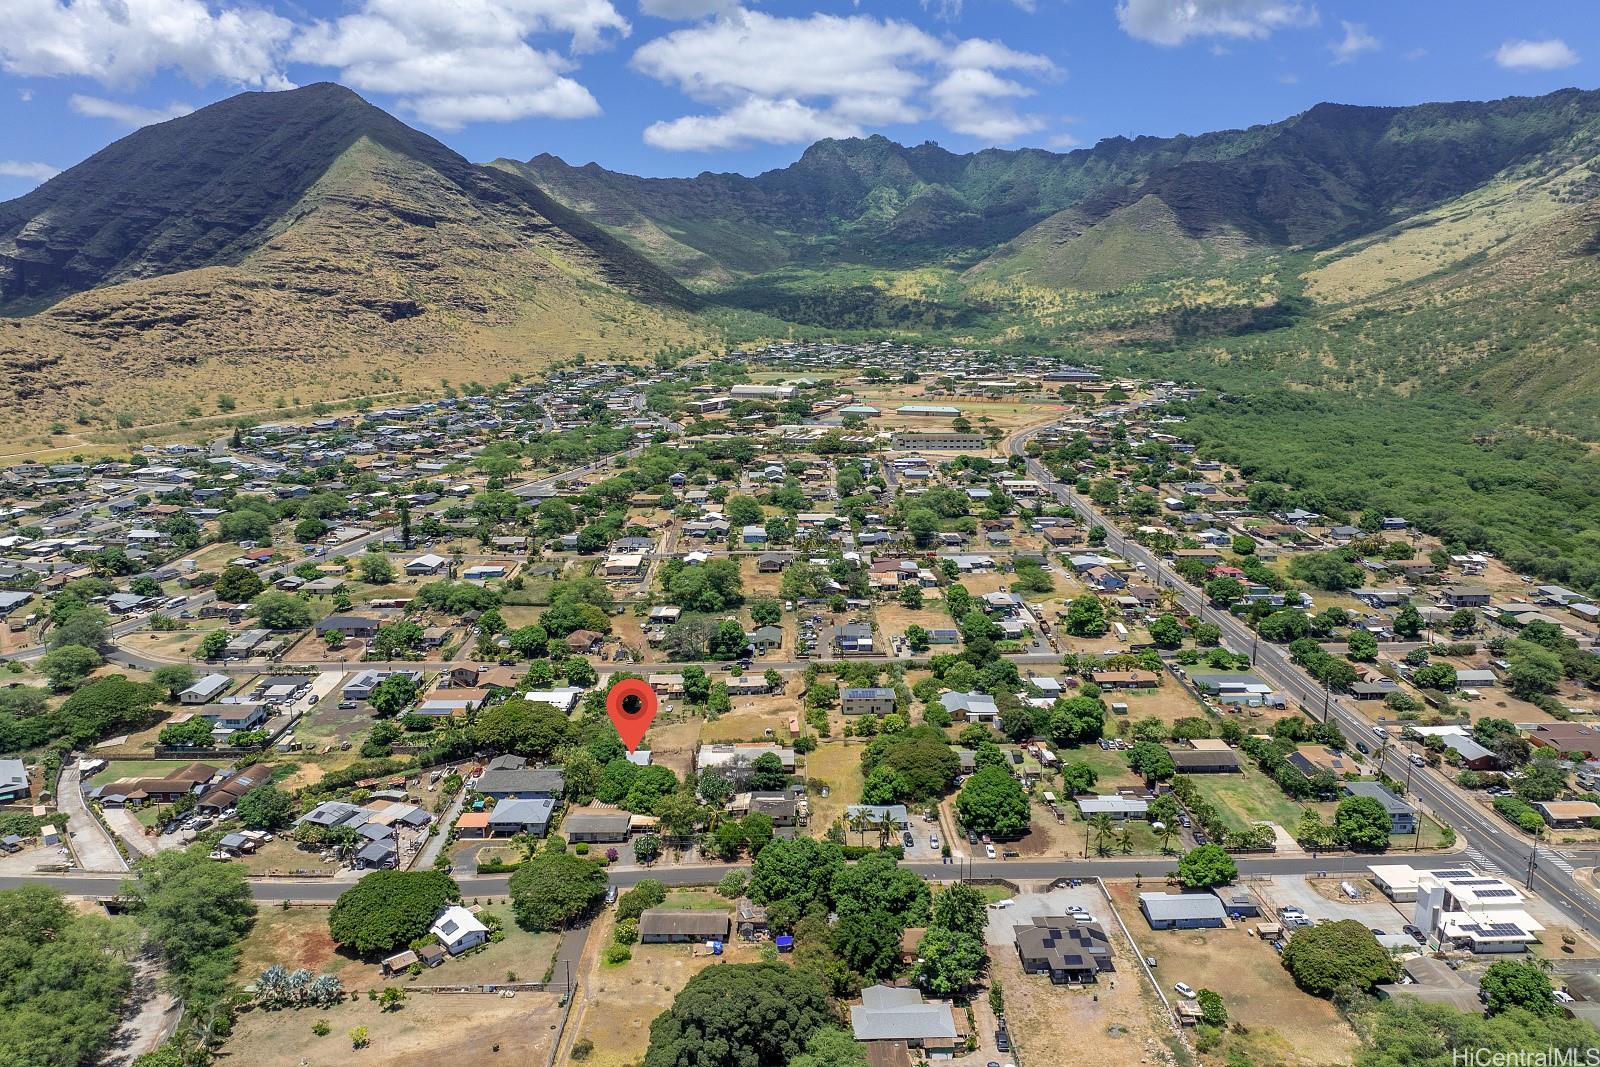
[[673, 87]]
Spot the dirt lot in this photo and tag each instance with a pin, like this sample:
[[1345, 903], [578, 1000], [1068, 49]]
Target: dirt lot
[[297, 938], [473, 1028], [757, 584], [1168, 702], [622, 1001], [1285, 1025], [751, 717], [674, 745], [893, 618], [1116, 1020]]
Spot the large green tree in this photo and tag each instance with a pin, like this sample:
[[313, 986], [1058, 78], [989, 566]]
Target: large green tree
[[1332, 956], [387, 910], [62, 981], [1205, 867], [1510, 984], [195, 911], [740, 1015], [991, 801], [554, 888]]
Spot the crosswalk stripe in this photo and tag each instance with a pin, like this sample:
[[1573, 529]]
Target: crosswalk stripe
[[1480, 860]]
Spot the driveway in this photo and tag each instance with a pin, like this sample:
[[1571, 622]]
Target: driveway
[[126, 826], [90, 842]]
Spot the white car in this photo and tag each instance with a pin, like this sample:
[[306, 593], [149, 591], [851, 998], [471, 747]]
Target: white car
[[933, 840], [1184, 990], [988, 850]]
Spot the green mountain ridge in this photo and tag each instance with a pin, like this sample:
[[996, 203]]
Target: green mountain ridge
[[1329, 174]]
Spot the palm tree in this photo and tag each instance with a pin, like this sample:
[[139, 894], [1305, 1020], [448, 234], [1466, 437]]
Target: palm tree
[[1125, 838], [1165, 835], [1103, 831]]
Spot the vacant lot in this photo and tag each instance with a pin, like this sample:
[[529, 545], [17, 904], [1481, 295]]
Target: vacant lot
[[1251, 797], [1168, 702], [1285, 1025], [752, 718], [427, 1029], [622, 1001], [296, 938], [836, 765]]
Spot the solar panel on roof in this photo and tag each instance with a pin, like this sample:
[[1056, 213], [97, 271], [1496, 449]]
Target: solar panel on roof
[[1498, 893]]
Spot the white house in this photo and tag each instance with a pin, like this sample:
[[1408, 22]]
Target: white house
[[458, 929]]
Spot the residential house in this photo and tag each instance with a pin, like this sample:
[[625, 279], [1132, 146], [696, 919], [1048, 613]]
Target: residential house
[[529, 815], [458, 929], [658, 926], [970, 707], [206, 689], [1117, 807], [596, 825], [1402, 816], [1182, 911], [13, 781], [1070, 952], [866, 701], [888, 1013]]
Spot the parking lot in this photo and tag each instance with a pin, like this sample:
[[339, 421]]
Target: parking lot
[[1025, 907]]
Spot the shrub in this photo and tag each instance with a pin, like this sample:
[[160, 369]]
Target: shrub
[[616, 954]]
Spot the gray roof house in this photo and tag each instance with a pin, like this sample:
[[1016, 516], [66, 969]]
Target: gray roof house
[[522, 816], [893, 1014], [523, 783], [1402, 816], [1181, 911], [13, 780]]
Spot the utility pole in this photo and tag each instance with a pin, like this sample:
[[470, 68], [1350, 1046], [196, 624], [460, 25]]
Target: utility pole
[[1533, 858]]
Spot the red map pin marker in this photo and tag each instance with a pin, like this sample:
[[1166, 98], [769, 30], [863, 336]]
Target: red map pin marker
[[632, 706]]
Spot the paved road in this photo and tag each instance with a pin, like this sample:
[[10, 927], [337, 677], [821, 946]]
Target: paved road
[[273, 890], [1502, 848]]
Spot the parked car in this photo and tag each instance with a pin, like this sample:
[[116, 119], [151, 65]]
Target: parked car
[[988, 850], [933, 841], [1150, 961], [1416, 935], [906, 838], [1184, 990], [611, 894]]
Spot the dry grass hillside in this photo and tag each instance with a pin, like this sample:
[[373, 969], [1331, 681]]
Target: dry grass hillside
[[385, 273]]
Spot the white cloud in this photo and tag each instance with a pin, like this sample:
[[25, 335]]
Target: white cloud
[[1063, 142], [120, 42], [789, 80], [25, 95], [36, 172], [128, 114], [767, 121], [1552, 54], [1172, 22], [1356, 41], [684, 10], [467, 60]]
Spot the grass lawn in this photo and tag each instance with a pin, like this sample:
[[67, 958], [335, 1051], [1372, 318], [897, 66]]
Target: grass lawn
[[526, 955], [1248, 798], [1111, 766], [137, 768], [697, 900]]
